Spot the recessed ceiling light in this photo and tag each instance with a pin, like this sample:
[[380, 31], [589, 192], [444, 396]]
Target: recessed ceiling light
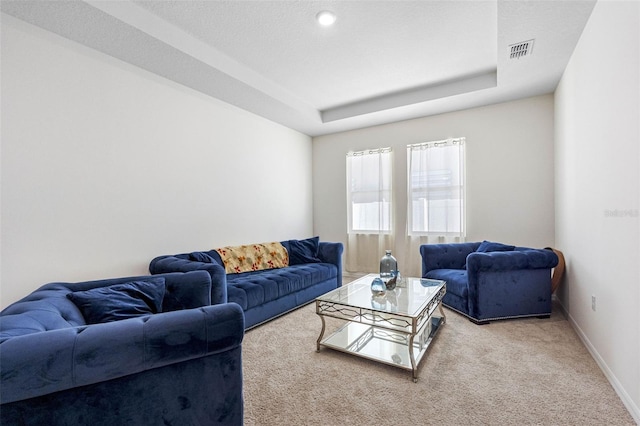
[[326, 18]]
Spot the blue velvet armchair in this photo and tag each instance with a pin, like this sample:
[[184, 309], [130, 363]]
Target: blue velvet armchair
[[490, 281], [181, 366]]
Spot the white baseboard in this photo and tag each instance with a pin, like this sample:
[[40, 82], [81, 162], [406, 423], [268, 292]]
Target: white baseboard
[[622, 393]]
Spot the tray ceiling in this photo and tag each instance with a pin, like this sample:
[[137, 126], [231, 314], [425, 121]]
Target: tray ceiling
[[382, 61]]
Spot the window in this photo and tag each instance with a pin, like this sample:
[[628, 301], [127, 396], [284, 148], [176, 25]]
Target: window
[[436, 188], [369, 191]]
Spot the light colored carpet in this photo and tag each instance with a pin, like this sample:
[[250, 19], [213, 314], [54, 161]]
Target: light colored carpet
[[515, 372]]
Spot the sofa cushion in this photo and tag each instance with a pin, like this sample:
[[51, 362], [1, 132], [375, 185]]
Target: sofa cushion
[[489, 246], [120, 301], [456, 280], [253, 257], [252, 289], [303, 251]]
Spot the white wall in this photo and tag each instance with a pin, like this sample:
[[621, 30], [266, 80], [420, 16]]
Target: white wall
[[597, 192], [509, 153], [105, 166]]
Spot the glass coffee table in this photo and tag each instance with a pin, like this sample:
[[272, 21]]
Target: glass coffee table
[[395, 329]]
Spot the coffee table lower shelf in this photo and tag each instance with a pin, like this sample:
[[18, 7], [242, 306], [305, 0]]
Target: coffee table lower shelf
[[383, 345]]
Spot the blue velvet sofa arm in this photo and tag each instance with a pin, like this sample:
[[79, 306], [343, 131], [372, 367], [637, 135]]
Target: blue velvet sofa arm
[[511, 260], [332, 253], [510, 284], [42, 363], [181, 263]]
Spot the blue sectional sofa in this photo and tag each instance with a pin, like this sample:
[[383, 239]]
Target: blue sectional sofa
[[489, 281], [62, 364], [313, 268]]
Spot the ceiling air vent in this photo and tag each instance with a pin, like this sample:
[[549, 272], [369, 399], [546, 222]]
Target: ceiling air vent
[[518, 50]]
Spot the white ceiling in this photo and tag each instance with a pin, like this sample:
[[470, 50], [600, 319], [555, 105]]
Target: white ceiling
[[382, 61]]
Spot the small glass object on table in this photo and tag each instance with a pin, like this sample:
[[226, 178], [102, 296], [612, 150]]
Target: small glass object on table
[[378, 287], [389, 270]]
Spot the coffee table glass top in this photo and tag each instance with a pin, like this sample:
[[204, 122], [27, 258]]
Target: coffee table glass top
[[408, 299]]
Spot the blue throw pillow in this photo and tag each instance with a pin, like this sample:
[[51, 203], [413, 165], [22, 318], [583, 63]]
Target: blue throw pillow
[[120, 301], [488, 246], [304, 251], [199, 256]]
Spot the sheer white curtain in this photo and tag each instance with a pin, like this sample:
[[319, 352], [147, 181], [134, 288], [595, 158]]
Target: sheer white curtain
[[369, 208], [435, 197]]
